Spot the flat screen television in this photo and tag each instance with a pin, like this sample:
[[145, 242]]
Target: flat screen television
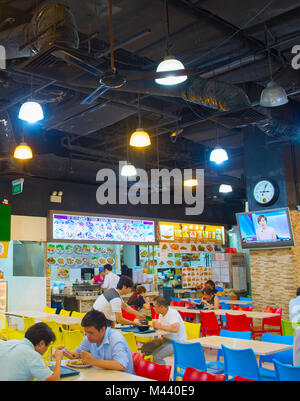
[[265, 229]]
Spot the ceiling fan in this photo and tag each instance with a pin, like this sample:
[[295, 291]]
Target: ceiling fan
[[112, 79]]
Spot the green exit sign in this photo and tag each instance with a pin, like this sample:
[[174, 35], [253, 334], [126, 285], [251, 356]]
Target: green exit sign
[[17, 186]]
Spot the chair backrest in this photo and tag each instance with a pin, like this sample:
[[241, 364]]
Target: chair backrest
[[152, 370], [188, 354], [77, 314], [128, 316], [285, 357], [131, 341], [245, 299], [240, 362], [175, 299], [242, 379], [223, 305], [210, 323], [286, 372], [64, 312], [192, 330], [28, 322], [237, 322], [72, 338], [136, 356], [244, 308], [55, 328], [224, 298], [192, 374], [50, 310], [177, 303], [245, 335], [288, 328]]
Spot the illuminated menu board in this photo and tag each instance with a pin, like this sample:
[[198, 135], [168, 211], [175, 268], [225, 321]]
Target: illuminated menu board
[[98, 228], [190, 233]]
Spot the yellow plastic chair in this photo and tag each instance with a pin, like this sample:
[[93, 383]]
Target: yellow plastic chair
[[192, 330], [49, 310], [7, 332], [77, 326], [72, 338], [28, 322], [55, 328], [64, 312], [131, 341]]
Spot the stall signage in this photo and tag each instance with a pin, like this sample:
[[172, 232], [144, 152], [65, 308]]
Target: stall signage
[[185, 233], [3, 249], [88, 228]]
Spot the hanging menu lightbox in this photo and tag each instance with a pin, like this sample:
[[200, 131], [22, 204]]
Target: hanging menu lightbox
[[76, 227]]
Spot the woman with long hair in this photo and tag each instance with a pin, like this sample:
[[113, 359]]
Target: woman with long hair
[[139, 301]]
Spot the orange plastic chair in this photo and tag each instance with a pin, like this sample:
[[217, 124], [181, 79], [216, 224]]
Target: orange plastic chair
[[194, 375], [152, 370]]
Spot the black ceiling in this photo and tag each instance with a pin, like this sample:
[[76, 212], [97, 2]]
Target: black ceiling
[[223, 42]]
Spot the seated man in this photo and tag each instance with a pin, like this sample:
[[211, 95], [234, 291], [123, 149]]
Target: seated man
[[172, 324], [21, 360], [102, 346], [111, 303]]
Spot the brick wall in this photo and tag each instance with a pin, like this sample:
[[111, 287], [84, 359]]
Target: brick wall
[[275, 273]]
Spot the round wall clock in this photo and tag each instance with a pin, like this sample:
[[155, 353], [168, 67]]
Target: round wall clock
[[265, 192]]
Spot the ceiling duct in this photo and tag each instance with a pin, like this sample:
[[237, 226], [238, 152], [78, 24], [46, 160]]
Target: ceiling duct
[[52, 24]]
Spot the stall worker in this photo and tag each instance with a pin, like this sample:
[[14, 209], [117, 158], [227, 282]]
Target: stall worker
[[172, 324], [98, 278], [102, 346], [21, 360], [111, 279], [111, 303]]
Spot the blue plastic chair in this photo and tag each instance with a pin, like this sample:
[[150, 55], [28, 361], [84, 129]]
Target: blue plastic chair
[[218, 365], [286, 372], [188, 354], [285, 357], [224, 307], [224, 298], [240, 362], [175, 299], [218, 288], [245, 299]]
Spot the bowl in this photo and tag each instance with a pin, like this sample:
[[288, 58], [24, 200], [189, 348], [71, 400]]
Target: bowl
[[143, 328]]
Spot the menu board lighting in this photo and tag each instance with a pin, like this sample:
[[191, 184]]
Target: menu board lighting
[[75, 227]]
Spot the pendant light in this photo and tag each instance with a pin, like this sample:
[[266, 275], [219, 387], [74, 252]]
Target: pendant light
[[218, 155], [224, 188], [139, 138], [31, 111], [273, 95], [23, 152], [169, 63]]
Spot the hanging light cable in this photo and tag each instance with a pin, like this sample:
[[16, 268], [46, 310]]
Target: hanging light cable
[[273, 95], [169, 63]]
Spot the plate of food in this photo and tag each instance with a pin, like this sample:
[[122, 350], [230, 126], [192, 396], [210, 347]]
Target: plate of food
[[51, 248], [110, 261], [51, 261], [61, 261], [110, 250], [77, 363]]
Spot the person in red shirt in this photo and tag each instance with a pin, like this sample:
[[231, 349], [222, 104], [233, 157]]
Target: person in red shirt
[[98, 278]]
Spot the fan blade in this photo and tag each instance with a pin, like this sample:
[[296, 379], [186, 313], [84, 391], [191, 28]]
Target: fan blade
[[164, 74], [69, 58], [95, 95]]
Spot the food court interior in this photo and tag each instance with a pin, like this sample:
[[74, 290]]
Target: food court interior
[[77, 86]]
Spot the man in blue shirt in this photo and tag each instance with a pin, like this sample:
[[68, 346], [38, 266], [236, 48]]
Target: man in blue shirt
[[294, 307], [21, 360], [102, 346]]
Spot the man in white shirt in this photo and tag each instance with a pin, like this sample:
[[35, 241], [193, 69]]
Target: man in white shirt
[[294, 307], [111, 303], [296, 348], [172, 324], [111, 279]]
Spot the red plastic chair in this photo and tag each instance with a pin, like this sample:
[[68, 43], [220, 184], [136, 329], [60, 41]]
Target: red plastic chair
[[269, 321], [242, 379], [127, 315], [186, 315], [245, 308], [152, 370], [136, 357], [237, 322], [177, 303], [154, 315], [195, 375], [210, 324]]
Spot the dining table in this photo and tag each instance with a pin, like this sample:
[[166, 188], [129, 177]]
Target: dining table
[[222, 312], [104, 375], [260, 348], [39, 316], [226, 301]]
